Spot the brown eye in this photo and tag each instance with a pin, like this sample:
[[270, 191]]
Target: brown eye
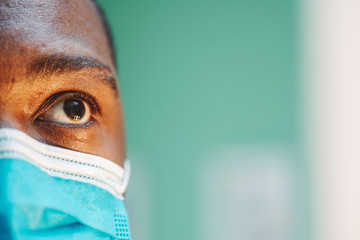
[[74, 109], [70, 111]]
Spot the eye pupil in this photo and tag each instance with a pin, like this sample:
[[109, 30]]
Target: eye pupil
[[74, 109]]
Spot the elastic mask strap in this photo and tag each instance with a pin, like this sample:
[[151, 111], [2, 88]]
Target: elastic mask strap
[[126, 177]]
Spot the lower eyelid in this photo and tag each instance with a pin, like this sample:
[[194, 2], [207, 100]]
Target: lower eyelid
[[62, 125]]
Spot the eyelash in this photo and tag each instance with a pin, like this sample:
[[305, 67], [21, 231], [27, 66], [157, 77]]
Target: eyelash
[[62, 96]]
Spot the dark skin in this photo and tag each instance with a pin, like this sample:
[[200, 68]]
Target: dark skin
[[53, 52]]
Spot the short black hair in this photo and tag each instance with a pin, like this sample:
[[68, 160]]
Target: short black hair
[[108, 32]]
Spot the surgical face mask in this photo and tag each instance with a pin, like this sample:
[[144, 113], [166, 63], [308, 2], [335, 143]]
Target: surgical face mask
[[48, 192]]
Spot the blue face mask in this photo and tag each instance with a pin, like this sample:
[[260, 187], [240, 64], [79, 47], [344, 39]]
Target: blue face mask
[[48, 192]]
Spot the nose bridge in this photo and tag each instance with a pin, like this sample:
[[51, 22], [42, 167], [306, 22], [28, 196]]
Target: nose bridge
[[12, 89], [9, 119], [14, 114]]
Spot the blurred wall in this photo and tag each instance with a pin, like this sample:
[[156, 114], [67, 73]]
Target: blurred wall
[[211, 99]]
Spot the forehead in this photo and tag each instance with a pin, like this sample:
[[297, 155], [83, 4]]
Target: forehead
[[71, 27]]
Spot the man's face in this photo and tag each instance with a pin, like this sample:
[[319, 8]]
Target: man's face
[[57, 76]]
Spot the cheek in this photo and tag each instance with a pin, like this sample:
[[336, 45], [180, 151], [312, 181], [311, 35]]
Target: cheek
[[82, 139], [111, 146], [113, 133]]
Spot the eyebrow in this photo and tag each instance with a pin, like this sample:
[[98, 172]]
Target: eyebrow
[[61, 64]]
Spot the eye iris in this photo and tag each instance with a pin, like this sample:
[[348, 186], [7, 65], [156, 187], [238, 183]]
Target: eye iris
[[74, 109]]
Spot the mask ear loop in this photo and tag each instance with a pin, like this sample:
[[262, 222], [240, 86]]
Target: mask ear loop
[[125, 181]]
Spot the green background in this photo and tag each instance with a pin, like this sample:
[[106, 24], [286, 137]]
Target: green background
[[197, 76]]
